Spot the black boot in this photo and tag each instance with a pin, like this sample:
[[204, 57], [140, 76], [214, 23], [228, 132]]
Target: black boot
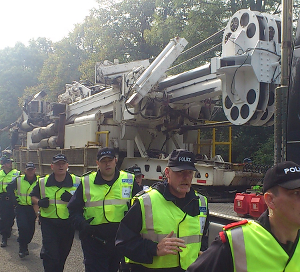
[[23, 251], [26, 250], [4, 241]]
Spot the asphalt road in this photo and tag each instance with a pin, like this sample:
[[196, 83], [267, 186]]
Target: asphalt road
[[11, 262]]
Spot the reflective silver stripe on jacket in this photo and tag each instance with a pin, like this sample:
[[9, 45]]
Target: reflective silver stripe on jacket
[[151, 235], [203, 203], [99, 203], [238, 247], [42, 188], [107, 202], [57, 201], [86, 181], [77, 180], [19, 186]]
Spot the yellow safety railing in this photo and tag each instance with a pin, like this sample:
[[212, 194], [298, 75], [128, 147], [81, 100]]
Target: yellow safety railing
[[215, 143], [98, 133]]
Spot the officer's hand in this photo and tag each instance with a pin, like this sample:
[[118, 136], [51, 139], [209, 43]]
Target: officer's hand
[[44, 202], [169, 245], [66, 196], [16, 201], [86, 229]]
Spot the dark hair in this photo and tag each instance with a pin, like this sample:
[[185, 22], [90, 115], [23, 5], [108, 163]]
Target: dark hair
[[274, 190]]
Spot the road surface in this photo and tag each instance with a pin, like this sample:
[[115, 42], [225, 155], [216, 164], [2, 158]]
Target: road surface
[[10, 261]]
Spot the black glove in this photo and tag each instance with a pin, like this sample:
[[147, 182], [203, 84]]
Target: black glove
[[86, 229], [16, 201], [44, 202], [66, 196]]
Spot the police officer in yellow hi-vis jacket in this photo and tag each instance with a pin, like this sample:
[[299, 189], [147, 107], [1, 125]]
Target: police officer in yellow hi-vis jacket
[[7, 215], [52, 194], [163, 230], [19, 190], [272, 243], [97, 208]]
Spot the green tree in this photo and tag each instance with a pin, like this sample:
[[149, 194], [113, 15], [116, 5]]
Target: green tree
[[61, 67], [115, 32], [265, 153], [19, 68]]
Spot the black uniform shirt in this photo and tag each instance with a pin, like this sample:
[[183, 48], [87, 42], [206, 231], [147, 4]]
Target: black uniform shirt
[[131, 243], [218, 257]]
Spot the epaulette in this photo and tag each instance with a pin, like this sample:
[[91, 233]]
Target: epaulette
[[87, 173], [222, 234], [139, 194], [235, 224], [223, 237], [142, 192]]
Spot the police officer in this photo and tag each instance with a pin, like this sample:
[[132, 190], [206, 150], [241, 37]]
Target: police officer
[[7, 215], [19, 189], [138, 175], [163, 229], [272, 243], [52, 194], [96, 209]]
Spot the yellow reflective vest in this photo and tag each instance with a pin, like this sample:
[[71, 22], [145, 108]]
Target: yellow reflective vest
[[106, 203], [57, 208], [160, 217], [5, 179], [23, 190], [254, 249]]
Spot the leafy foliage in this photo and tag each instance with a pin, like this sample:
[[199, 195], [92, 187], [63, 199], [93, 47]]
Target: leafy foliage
[[127, 30]]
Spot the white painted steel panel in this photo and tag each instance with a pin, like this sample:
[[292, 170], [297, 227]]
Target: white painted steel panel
[[77, 135]]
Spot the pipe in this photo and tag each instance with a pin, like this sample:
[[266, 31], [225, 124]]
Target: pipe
[[61, 130]]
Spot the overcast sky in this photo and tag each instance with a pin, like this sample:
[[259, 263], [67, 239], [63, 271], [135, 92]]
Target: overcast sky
[[22, 20]]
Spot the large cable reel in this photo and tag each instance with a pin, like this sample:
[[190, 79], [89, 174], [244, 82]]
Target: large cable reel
[[249, 67]]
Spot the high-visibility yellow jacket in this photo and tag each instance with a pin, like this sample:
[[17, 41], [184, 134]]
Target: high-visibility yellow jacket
[[57, 208], [5, 179], [161, 217], [255, 249], [23, 190], [107, 203]]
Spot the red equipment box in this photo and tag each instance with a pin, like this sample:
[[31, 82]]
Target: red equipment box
[[242, 203], [257, 206]]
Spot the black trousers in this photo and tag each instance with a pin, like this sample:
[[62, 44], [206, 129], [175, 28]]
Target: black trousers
[[99, 257], [25, 217], [57, 239], [7, 215]]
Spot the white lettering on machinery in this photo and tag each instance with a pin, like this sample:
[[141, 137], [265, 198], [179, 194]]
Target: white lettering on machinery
[[184, 159], [292, 170]]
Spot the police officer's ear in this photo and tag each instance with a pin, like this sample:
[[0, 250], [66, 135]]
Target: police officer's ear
[[269, 199], [167, 172]]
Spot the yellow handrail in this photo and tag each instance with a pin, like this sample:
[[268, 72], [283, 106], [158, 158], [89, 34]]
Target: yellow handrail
[[107, 136], [214, 142]]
